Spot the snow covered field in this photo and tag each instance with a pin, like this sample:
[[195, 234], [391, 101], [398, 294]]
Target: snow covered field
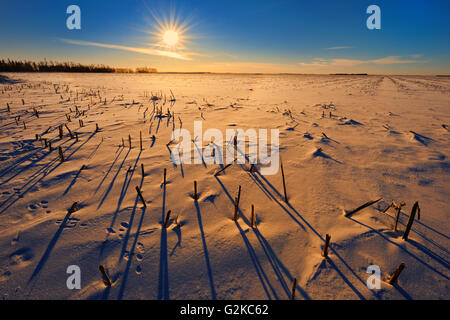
[[344, 141]]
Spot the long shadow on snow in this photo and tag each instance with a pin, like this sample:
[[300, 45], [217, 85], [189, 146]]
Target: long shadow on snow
[[23, 159], [205, 250], [125, 185], [33, 180], [130, 258], [109, 170], [294, 211], [50, 247], [254, 258], [130, 224], [419, 233], [163, 282], [111, 184], [405, 250]]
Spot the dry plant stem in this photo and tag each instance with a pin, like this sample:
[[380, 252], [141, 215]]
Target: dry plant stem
[[325, 247], [70, 132], [166, 222], [236, 204], [73, 207], [388, 207], [294, 285], [414, 209], [195, 190], [396, 219], [215, 174], [394, 277], [365, 205], [61, 155], [284, 183], [106, 278], [239, 195], [140, 196], [399, 209], [236, 207], [253, 219]]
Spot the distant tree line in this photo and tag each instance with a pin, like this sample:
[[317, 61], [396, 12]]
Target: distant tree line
[[8, 65], [146, 70], [349, 74]]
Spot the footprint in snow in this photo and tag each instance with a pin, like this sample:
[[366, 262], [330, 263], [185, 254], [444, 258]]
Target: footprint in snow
[[140, 247], [33, 206], [15, 239], [21, 257], [5, 276], [71, 222]]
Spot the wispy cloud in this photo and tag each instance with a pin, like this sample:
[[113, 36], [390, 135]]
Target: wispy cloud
[[148, 51], [246, 67], [339, 47], [395, 60], [317, 62]]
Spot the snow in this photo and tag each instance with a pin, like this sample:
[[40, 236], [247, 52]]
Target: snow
[[385, 139]]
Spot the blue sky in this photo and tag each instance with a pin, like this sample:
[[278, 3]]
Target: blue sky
[[234, 36]]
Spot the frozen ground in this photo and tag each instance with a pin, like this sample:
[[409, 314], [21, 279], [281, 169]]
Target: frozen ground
[[387, 137]]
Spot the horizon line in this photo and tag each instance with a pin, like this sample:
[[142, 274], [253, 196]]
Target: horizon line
[[244, 73]]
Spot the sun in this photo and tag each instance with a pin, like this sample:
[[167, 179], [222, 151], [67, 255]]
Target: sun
[[169, 32], [170, 38]]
